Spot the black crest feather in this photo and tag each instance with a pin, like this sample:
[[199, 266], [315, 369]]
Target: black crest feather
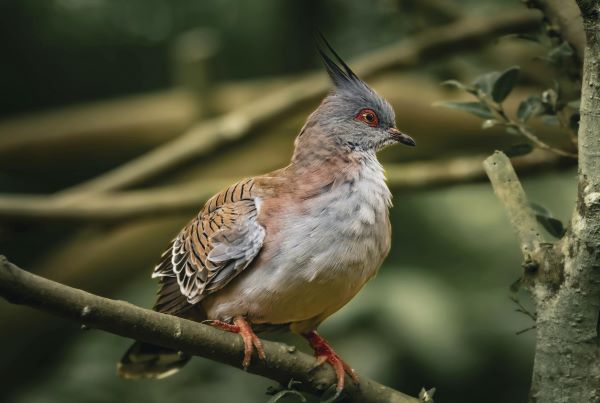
[[341, 74]]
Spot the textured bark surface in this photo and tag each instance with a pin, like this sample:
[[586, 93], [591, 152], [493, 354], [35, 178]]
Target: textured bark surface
[[567, 357], [510, 192], [283, 362]]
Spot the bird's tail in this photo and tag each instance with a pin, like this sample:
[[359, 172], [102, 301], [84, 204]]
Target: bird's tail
[[144, 360]]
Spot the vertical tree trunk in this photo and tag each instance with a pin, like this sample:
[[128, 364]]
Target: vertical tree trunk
[[567, 356]]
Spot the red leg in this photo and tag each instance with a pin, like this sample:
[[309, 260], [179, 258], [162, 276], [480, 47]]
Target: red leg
[[251, 340], [325, 353]]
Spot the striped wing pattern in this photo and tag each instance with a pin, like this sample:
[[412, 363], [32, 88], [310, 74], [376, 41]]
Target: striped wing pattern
[[211, 250]]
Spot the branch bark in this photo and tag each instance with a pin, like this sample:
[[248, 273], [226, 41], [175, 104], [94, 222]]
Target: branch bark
[[118, 317], [510, 192], [565, 277], [567, 358], [540, 264], [207, 136], [189, 198]]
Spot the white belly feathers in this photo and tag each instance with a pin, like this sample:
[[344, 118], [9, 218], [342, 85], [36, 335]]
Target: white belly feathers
[[344, 235]]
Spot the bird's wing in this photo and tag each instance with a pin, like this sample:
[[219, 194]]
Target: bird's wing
[[211, 250]]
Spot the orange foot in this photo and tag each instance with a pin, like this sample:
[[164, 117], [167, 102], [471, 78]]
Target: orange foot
[[242, 327], [325, 353]]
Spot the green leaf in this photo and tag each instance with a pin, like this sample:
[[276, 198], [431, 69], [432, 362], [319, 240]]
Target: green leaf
[[476, 108], [505, 83], [460, 86], [525, 37], [559, 53], [485, 82], [529, 37], [553, 225], [550, 120], [576, 104], [516, 286], [564, 50], [512, 130], [531, 106], [517, 150], [489, 123], [539, 209], [574, 122], [455, 83]]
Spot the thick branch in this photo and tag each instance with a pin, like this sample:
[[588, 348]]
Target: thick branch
[[540, 259], [567, 356], [510, 192], [210, 134], [283, 362], [189, 198]]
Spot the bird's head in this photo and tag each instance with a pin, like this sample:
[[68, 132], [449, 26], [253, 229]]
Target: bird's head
[[353, 112]]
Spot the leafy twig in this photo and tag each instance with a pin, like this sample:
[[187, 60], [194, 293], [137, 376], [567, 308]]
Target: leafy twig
[[522, 129], [491, 89]]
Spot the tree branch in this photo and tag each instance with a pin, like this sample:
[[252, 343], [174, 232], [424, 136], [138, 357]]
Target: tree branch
[[510, 192], [501, 116], [564, 19], [567, 356], [145, 119], [189, 198], [208, 135], [565, 280], [283, 362]]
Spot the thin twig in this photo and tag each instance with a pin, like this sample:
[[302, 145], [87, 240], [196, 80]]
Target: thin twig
[[520, 332], [534, 139], [499, 113], [522, 309]]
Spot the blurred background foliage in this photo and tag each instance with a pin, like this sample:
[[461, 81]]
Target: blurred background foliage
[[90, 84]]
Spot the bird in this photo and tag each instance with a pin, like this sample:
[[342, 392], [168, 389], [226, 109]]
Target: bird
[[287, 249]]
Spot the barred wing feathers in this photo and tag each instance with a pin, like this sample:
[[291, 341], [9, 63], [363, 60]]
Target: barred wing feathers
[[211, 250]]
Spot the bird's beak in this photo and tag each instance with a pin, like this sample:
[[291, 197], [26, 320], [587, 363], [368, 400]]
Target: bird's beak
[[400, 137]]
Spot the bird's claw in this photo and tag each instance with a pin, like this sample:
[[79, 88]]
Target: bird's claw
[[325, 353], [251, 340]]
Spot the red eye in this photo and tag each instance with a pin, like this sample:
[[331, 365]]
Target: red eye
[[368, 116]]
